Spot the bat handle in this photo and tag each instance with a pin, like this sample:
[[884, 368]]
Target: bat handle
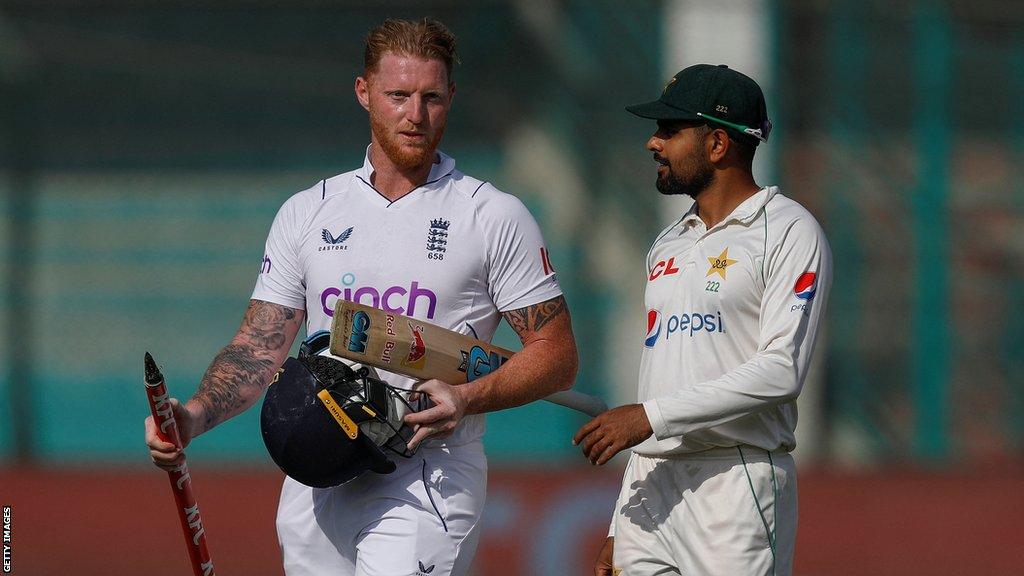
[[590, 405], [180, 479]]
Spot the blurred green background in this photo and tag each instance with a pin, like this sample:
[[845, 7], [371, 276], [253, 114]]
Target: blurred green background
[[145, 147], [148, 147]]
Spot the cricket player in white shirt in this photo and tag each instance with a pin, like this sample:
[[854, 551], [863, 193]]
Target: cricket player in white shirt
[[736, 293], [407, 233]]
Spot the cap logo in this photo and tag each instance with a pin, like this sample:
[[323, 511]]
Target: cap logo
[[670, 82]]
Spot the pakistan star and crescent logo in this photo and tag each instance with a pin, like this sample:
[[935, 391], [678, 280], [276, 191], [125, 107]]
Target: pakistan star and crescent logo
[[720, 263]]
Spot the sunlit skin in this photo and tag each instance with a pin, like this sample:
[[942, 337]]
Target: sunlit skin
[[706, 167], [683, 167], [408, 99]]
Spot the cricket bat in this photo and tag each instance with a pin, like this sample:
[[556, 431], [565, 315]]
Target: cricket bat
[[421, 350]]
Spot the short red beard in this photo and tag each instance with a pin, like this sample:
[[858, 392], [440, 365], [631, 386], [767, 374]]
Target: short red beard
[[404, 157]]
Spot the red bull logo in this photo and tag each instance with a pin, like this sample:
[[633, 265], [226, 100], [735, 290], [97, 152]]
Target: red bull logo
[[417, 349]]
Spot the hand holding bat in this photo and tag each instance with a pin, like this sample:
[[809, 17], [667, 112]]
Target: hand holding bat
[[439, 420], [163, 425], [165, 454], [418, 349]]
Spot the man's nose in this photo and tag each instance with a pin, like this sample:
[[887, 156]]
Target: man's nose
[[416, 110]]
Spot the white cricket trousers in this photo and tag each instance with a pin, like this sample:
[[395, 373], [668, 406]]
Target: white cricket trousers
[[421, 520], [722, 512]]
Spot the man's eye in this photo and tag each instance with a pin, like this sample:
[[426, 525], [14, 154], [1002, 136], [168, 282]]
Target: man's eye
[[668, 128]]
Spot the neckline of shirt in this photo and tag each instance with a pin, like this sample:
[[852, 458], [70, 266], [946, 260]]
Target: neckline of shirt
[[441, 169], [744, 213]]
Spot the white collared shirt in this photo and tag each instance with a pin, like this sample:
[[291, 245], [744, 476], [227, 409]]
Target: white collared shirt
[[732, 315], [456, 252]]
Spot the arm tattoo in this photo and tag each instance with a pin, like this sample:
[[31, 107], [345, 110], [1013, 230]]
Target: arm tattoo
[[264, 324], [240, 370], [234, 368], [533, 318]]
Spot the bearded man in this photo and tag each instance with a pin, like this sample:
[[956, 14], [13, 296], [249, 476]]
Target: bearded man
[[410, 234]]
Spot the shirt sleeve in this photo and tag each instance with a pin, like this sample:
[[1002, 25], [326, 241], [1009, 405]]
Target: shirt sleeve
[[281, 280], [798, 276], [519, 269]]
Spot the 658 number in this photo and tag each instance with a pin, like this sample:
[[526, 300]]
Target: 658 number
[[435, 256]]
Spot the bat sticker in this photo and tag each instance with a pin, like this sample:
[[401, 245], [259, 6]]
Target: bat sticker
[[477, 362], [417, 349], [360, 326]]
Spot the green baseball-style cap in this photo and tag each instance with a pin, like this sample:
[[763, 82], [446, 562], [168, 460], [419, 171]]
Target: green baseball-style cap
[[716, 94]]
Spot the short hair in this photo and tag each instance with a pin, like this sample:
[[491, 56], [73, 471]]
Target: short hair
[[744, 148], [427, 39]]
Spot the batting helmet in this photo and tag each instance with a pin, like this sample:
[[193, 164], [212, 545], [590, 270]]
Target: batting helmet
[[325, 423]]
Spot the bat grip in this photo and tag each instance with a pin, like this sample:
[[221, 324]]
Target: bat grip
[[181, 482], [590, 405]]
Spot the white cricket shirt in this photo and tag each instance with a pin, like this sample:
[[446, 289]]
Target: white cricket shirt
[[456, 252], [732, 316]]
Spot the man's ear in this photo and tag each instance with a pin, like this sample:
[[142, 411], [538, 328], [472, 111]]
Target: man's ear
[[718, 145], [363, 92]]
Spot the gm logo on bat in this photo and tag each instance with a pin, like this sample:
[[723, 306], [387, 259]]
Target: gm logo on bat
[[477, 362], [357, 339]]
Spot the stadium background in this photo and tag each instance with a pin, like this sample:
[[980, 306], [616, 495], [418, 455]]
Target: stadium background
[[146, 145]]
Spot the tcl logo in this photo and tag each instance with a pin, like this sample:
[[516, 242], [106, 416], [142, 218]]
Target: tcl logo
[[664, 268]]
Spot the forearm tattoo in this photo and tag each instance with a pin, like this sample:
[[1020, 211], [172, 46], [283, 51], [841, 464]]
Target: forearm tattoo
[[240, 370], [533, 318], [265, 324]]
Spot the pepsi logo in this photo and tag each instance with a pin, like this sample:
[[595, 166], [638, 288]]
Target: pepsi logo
[[653, 328], [806, 285]]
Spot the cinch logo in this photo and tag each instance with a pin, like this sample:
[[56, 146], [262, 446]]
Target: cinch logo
[[806, 285], [477, 362], [357, 339], [653, 327], [692, 322], [382, 299]]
